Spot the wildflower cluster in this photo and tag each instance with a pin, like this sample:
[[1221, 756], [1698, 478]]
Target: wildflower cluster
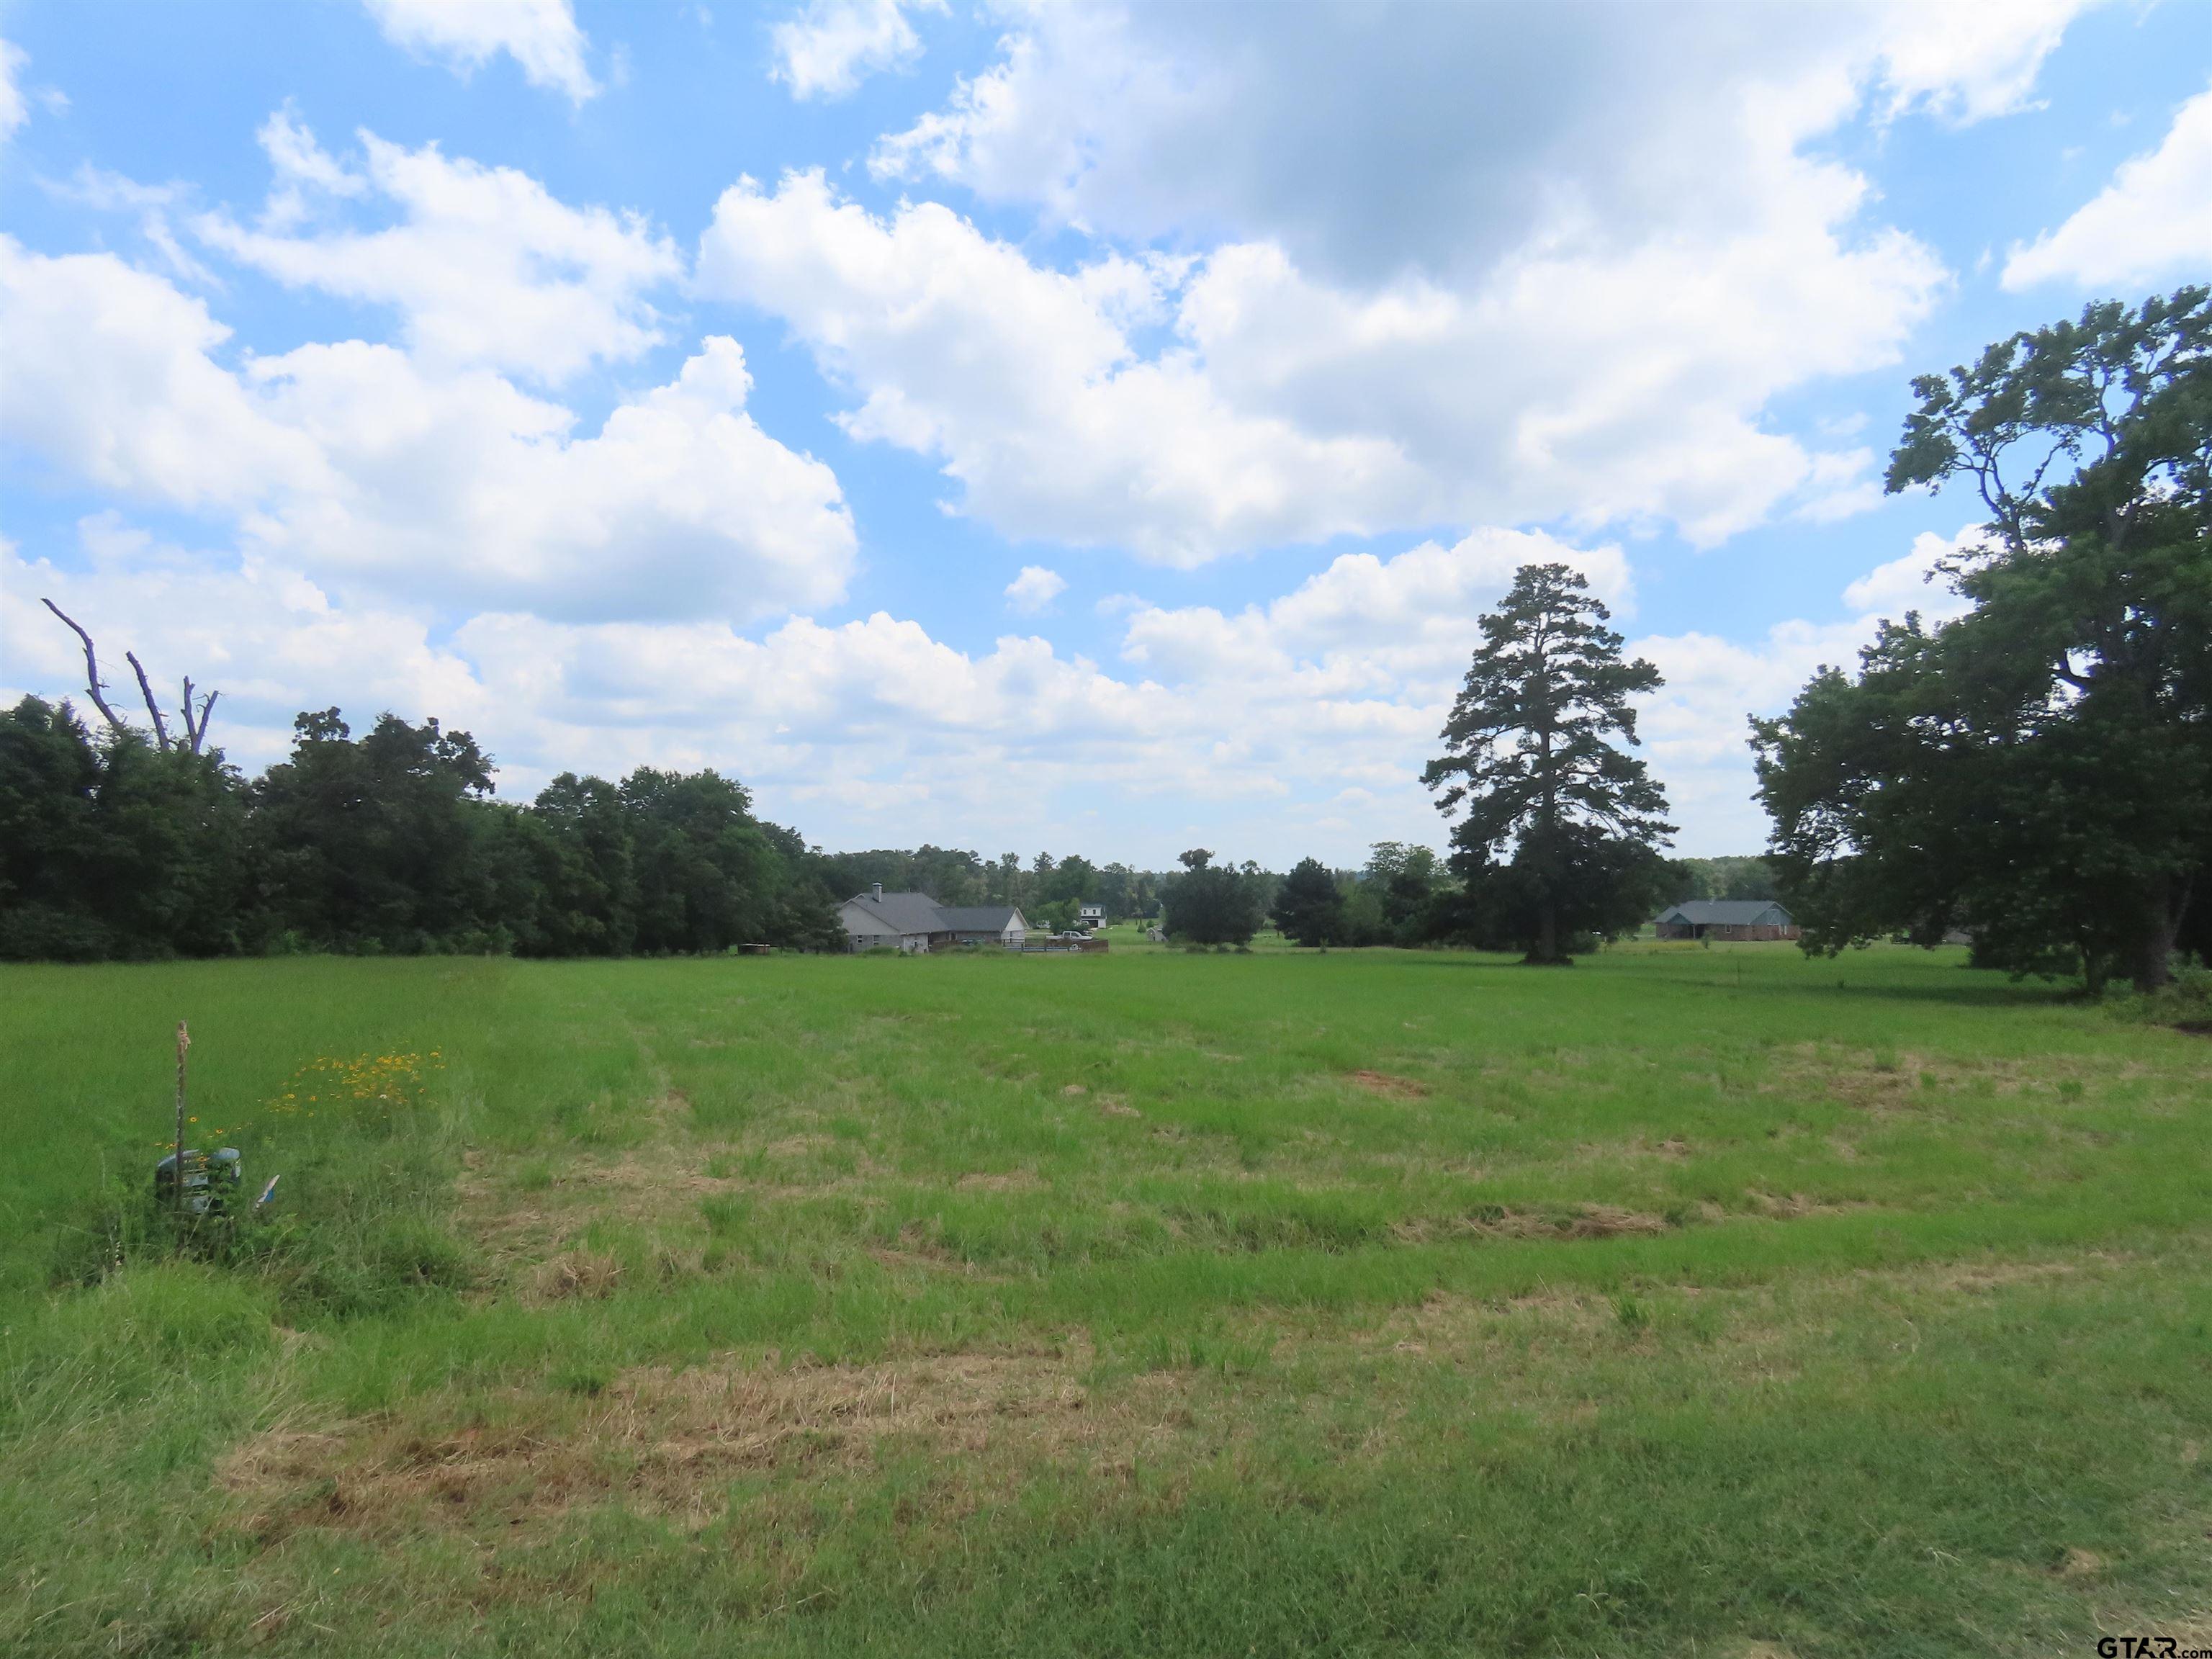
[[374, 1085]]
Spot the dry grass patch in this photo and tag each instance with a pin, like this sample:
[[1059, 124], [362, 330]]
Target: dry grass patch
[[1389, 1087], [665, 1441], [1007, 1181], [575, 1273], [1583, 1221]]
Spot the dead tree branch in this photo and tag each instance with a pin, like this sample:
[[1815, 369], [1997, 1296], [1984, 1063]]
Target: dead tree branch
[[195, 731], [91, 668], [160, 725], [196, 720]]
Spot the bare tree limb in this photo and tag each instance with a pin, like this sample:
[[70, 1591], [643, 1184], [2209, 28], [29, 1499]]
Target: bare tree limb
[[91, 668], [196, 730], [160, 725]]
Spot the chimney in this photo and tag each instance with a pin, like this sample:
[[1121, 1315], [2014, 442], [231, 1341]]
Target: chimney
[[879, 891]]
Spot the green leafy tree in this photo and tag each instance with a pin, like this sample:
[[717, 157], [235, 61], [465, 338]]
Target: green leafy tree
[[1406, 882], [368, 843], [706, 874], [1527, 752], [1214, 903], [585, 862], [1075, 880], [1117, 887], [114, 845], [1309, 907], [2040, 771]]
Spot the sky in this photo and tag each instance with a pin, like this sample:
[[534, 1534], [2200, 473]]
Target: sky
[[1083, 429]]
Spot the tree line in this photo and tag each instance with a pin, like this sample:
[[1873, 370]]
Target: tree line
[[120, 846]]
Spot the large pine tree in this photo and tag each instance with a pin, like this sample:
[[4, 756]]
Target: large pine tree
[[1527, 749]]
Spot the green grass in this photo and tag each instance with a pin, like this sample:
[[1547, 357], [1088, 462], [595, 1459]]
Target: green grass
[[1688, 1301]]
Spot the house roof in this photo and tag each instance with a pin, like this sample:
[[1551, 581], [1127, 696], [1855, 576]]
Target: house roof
[[902, 913], [980, 918], [1727, 912]]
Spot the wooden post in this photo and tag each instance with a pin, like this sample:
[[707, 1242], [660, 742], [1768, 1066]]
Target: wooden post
[[184, 1041]]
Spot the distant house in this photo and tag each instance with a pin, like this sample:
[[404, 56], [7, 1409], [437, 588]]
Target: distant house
[[876, 919], [1726, 919], [985, 924], [1091, 917]]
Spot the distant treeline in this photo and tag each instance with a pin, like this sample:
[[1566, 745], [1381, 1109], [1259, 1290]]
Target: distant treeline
[[389, 841], [393, 841]]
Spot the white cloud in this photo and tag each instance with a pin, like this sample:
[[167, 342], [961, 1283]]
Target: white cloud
[[1615, 390], [485, 266], [1968, 60], [1512, 293], [1368, 140], [1918, 581], [1023, 381], [357, 465], [112, 192], [1035, 588], [1366, 621], [832, 45], [108, 374], [2153, 220], [540, 35], [14, 109], [1696, 724]]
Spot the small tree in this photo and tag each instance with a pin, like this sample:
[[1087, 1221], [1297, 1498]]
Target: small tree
[[1212, 904], [1526, 749], [1310, 907]]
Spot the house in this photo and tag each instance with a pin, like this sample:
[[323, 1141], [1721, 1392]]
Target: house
[[985, 924], [1726, 919], [876, 919], [1091, 917]]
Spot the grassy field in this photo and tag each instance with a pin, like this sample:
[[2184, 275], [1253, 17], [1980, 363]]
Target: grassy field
[[1688, 1302]]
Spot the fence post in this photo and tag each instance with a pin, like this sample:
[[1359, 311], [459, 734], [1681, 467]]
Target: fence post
[[184, 1041]]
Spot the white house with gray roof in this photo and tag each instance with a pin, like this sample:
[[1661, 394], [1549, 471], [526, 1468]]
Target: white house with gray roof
[[912, 922]]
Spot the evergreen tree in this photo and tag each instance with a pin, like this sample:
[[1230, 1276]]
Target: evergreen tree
[[1309, 907], [1527, 752], [1213, 903]]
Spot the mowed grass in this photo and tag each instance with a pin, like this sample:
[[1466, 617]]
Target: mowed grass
[[1684, 1302]]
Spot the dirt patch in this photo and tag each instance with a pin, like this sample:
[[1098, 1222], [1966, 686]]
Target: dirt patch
[[665, 1441], [1114, 1106], [1389, 1087]]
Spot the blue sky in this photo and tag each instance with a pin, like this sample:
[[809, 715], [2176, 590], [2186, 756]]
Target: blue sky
[[1082, 428]]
